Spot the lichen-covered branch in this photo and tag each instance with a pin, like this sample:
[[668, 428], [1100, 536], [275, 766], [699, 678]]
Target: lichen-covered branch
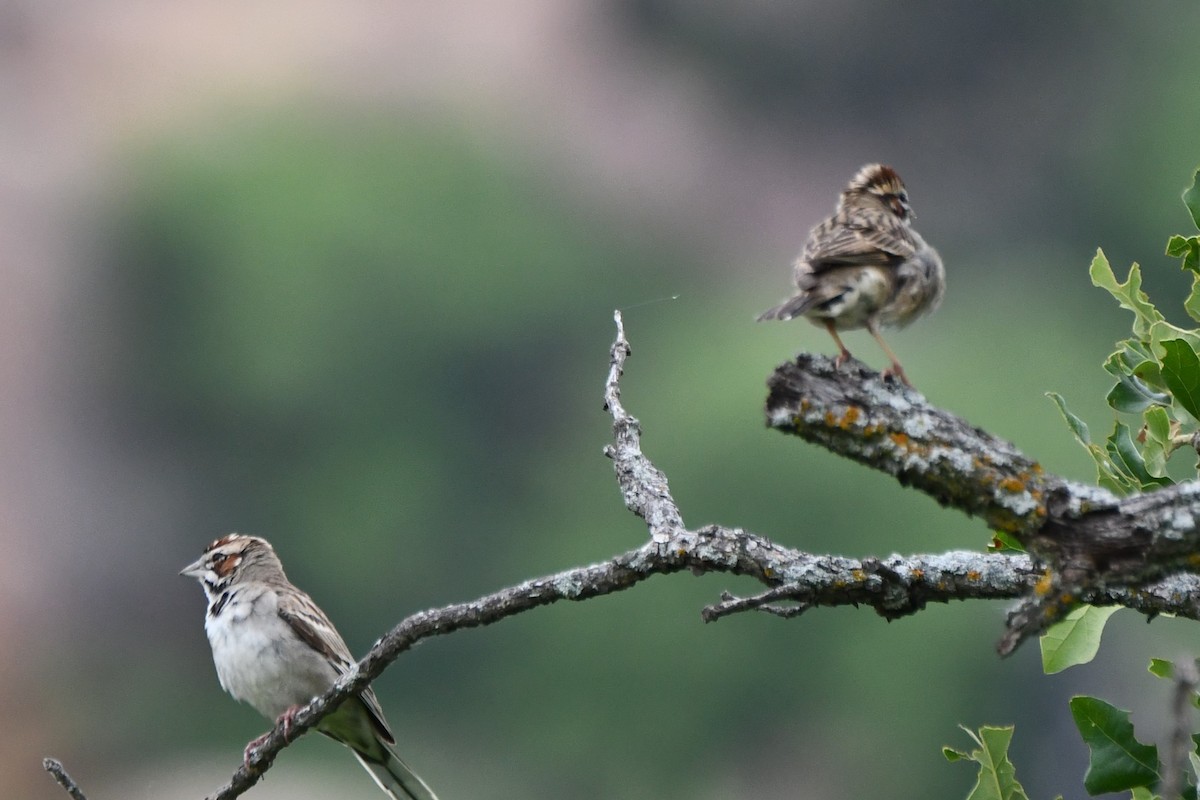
[[642, 484], [1089, 539], [854, 412]]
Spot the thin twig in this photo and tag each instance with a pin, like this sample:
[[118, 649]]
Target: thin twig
[[642, 484], [56, 769], [1186, 680]]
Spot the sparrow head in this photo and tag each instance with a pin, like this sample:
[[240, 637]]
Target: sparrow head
[[878, 184], [232, 559]]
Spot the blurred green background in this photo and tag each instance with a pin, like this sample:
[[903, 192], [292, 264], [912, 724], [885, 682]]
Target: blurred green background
[[342, 275]]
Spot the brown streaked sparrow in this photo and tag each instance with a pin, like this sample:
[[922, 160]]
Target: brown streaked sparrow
[[865, 267], [276, 650]]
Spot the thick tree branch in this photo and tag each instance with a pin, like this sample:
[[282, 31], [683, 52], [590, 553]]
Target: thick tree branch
[[855, 414], [1088, 538]]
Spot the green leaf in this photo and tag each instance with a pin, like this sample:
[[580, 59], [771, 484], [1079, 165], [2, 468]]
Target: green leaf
[[1158, 424], [1132, 396], [1128, 459], [997, 778], [1107, 473], [1191, 198], [1129, 294], [1181, 373], [1162, 668], [1192, 303], [1075, 639], [1136, 352], [1187, 248], [1141, 793], [1118, 761], [1162, 330], [1003, 542], [1078, 427], [1158, 445]]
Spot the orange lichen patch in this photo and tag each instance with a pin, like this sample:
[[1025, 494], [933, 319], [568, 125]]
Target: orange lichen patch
[[804, 404], [850, 417], [858, 575], [1012, 485], [1193, 559], [1066, 599], [870, 430], [974, 575], [839, 584], [899, 439], [917, 573], [1037, 468], [1030, 475], [830, 419], [768, 572], [1044, 583]]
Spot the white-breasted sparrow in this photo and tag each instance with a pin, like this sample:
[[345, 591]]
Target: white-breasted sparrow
[[865, 267], [276, 650]]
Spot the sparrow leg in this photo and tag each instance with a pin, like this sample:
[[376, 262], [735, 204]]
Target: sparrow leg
[[895, 369], [843, 353], [286, 718]]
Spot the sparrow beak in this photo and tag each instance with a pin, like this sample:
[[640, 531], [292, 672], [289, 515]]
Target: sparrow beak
[[194, 570]]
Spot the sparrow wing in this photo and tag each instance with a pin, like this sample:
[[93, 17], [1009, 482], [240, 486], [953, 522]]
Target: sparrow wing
[[866, 240], [314, 629]]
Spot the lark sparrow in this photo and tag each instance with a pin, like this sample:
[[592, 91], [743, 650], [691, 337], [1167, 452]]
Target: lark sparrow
[[865, 266], [276, 650]]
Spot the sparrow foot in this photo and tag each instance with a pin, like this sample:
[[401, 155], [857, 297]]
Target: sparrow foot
[[286, 718], [896, 371], [254, 745]]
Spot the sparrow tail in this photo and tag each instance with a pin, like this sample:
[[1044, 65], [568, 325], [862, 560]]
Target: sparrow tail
[[789, 309], [395, 777]]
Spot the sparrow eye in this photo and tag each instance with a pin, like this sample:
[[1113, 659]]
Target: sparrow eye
[[899, 204]]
